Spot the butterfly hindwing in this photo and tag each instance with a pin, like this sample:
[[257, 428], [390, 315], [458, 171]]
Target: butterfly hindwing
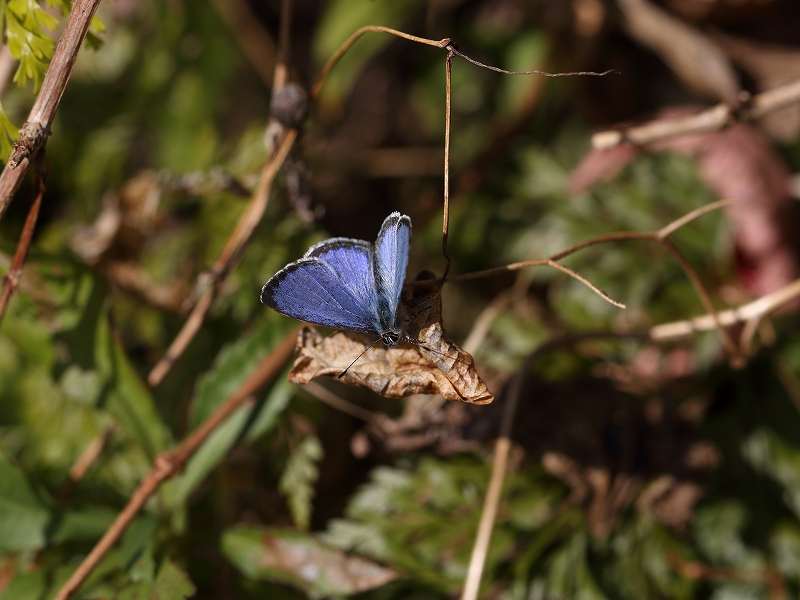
[[390, 261]]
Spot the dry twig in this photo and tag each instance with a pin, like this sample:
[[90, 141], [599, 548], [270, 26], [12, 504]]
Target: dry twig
[[12, 276], [712, 119], [659, 237], [37, 127]]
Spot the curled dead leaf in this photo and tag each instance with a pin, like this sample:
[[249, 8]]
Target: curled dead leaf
[[433, 365], [391, 372], [670, 500]]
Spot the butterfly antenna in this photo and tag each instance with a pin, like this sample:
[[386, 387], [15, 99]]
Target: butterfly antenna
[[357, 357]]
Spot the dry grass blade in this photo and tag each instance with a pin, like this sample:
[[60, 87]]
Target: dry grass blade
[[451, 47]]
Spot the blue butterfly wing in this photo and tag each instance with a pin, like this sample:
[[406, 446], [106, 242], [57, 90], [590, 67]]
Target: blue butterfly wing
[[326, 287], [390, 261], [350, 259]]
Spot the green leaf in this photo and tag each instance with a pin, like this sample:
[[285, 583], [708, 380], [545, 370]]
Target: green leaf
[[568, 572], [298, 479], [718, 531], [421, 520], [785, 547], [234, 363], [232, 366], [770, 454], [28, 41], [340, 21], [84, 524], [301, 561], [171, 583], [126, 397], [246, 423], [29, 522], [27, 586], [135, 545], [8, 135], [24, 516]]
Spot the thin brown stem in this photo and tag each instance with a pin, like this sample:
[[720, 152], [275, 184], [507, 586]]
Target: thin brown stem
[[705, 298], [447, 124], [88, 457], [342, 50], [281, 76], [671, 228], [245, 227], [586, 282], [253, 39], [14, 273], [551, 261], [453, 50], [169, 464]]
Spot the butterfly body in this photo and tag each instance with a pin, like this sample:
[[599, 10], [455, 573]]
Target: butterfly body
[[347, 284]]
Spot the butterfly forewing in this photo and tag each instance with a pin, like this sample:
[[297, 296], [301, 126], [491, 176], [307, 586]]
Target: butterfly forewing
[[350, 260], [310, 290]]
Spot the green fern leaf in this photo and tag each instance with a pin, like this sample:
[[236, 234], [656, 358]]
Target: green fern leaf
[[297, 481]]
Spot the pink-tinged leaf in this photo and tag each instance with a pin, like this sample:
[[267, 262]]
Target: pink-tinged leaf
[[301, 561], [736, 163]]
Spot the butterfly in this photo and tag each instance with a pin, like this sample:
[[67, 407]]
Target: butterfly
[[347, 284]]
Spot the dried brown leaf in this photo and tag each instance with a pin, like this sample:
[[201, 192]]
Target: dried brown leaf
[[771, 66], [670, 501], [435, 366], [693, 57], [391, 372]]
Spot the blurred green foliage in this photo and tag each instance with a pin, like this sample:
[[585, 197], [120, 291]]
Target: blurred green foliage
[[169, 98]]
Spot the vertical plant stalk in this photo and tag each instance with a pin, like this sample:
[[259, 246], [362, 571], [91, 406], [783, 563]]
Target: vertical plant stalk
[[491, 504], [36, 128], [14, 273], [448, 111]]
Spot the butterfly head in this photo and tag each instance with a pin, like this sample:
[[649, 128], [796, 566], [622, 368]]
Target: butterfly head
[[390, 338]]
